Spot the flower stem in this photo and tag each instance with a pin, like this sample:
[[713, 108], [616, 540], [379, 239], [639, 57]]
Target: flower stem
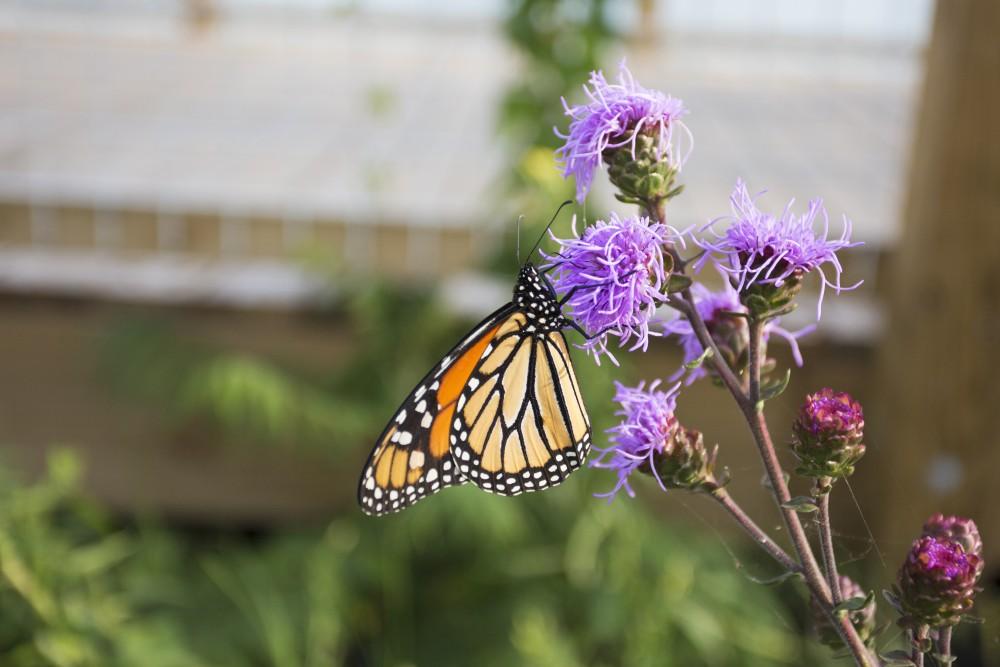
[[750, 404], [944, 641], [826, 541], [917, 638], [755, 532]]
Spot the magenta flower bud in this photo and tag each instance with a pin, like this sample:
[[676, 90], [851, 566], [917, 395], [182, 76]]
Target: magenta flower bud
[[827, 435], [862, 619], [650, 440], [956, 529], [937, 582]]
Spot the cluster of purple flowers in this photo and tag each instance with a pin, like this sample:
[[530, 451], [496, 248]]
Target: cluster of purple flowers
[[616, 277], [647, 427], [614, 116], [759, 248]]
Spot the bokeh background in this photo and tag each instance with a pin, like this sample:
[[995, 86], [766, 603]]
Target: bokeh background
[[233, 233]]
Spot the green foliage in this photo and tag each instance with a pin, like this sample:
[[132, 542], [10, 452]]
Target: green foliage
[[548, 579]]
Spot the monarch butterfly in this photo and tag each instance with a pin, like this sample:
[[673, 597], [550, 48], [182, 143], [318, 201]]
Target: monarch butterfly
[[502, 410]]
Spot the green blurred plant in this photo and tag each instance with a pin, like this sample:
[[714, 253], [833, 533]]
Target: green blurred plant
[[470, 579]]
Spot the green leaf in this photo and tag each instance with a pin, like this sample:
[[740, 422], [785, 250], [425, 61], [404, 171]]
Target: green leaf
[[896, 658], [801, 504], [893, 599], [702, 358], [776, 388], [678, 282], [765, 481], [943, 659], [856, 603], [774, 581]]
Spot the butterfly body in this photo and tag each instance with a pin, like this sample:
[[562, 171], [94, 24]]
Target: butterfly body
[[502, 410]]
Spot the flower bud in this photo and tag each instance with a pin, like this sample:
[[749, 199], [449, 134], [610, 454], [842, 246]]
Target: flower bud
[[937, 582], [766, 300], [827, 435], [956, 529], [685, 463], [640, 171], [862, 619]]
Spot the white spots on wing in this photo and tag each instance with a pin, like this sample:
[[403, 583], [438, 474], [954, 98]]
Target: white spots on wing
[[473, 383], [405, 437], [417, 459], [431, 475], [370, 484], [393, 494], [426, 420], [378, 494], [421, 406], [446, 466], [401, 417], [464, 454], [419, 392]]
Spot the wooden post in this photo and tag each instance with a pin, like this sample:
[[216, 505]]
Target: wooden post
[[937, 431]]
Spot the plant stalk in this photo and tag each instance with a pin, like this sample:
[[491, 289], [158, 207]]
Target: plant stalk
[[826, 543], [755, 532]]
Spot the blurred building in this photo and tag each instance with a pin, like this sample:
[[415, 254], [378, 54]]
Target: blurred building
[[198, 152]]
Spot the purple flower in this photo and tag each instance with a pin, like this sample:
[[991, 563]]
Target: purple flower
[[730, 332], [647, 426], [937, 582], [616, 277], [759, 249], [615, 116]]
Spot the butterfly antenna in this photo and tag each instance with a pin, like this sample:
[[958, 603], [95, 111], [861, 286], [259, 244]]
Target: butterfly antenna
[[517, 226], [545, 231]]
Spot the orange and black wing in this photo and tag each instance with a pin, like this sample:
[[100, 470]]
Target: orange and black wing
[[520, 423], [412, 457]]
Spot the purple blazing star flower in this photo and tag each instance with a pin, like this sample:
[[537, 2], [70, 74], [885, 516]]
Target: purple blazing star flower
[[761, 249], [614, 117], [615, 274], [730, 333], [648, 424]]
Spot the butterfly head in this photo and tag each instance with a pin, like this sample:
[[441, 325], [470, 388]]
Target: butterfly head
[[535, 295]]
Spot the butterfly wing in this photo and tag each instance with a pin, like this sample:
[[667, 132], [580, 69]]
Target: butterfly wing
[[521, 424], [411, 459]]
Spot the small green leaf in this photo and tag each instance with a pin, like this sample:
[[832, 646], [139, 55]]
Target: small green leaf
[[893, 599], [855, 604], [802, 504], [943, 659], [702, 358], [774, 581], [775, 388], [896, 658], [678, 282], [765, 481]]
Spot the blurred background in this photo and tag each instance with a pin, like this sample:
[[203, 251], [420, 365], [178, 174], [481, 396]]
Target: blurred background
[[234, 233]]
